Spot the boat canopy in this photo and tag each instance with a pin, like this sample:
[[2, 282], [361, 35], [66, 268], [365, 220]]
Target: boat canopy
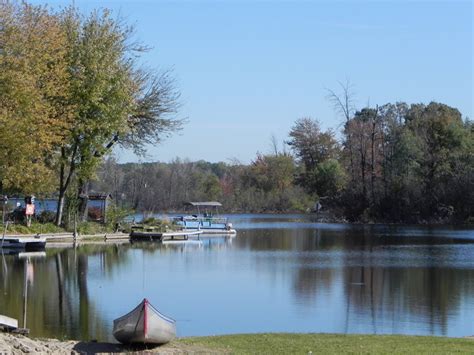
[[204, 204]]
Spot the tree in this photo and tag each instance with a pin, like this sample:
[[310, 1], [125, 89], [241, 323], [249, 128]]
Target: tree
[[328, 179], [444, 143], [212, 187], [33, 110], [364, 133], [344, 104], [312, 147], [113, 100], [392, 119]]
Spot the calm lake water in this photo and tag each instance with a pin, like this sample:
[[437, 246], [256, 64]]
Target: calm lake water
[[281, 273]]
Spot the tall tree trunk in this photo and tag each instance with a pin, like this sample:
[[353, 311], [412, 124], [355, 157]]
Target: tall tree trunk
[[64, 182], [83, 198], [351, 154], [363, 164], [60, 207], [364, 187], [372, 162]]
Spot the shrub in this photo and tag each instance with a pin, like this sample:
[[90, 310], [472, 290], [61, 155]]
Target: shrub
[[88, 228], [116, 217], [35, 228], [46, 217]]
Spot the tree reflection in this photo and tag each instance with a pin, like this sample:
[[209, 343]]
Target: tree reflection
[[59, 301], [391, 280], [367, 280]]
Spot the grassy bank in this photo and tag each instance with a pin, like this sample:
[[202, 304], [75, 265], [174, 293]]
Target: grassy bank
[[86, 228], [45, 228], [253, 344], [330, 343]]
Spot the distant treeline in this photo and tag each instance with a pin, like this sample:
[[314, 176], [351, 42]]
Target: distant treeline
[[392, 163]]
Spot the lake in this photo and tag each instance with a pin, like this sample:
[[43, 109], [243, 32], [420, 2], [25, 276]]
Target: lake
[[281, 273]]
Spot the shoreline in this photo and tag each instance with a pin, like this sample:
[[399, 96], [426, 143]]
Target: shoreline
[[247, 343], [19, 344], [111, 236]]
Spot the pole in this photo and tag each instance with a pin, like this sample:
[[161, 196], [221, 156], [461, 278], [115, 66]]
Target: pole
[[4, 232], [75, 228]]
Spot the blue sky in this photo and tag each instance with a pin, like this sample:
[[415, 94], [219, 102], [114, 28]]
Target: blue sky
[[248, 69]]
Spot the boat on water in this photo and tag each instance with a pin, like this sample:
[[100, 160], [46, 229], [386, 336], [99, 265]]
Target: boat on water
[[206, 219], [36, 243], [144, 325]]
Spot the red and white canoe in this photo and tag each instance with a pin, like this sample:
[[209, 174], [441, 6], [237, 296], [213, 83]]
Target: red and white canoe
[[144, 325]]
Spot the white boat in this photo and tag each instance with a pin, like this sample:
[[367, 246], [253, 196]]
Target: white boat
[[144, 325], [23, 243], [208, 221]]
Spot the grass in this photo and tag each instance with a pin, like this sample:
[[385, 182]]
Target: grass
[[285, 343], [84, 228], [89, 228], [33, 229], [152, 224]]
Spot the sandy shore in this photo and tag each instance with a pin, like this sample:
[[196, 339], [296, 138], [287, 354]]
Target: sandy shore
[[18, 344]]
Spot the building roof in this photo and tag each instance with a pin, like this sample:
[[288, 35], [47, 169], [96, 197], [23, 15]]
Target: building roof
[[204, 204]]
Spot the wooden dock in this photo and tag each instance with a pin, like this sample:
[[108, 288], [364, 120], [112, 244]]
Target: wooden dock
[[23, 243], [68, 237], [184, 235], [162, 236], [58, 237]]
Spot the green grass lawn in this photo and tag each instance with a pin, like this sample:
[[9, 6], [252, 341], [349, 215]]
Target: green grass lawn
[[331, 343]]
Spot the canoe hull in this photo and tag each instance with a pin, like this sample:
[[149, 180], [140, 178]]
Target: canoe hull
[[144, 325]]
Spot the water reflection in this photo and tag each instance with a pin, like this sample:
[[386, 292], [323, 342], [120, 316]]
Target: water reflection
[[370, 279], [58, 299]]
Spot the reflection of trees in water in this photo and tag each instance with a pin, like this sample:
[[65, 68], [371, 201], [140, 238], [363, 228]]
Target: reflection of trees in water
[[383, 290], [308, 281], [12, 274], [399, 294], [297, 240], [375, 287], [265, 240], [427, 292], [58, 301]]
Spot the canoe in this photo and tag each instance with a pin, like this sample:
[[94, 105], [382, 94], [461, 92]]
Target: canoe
[[144, 325]]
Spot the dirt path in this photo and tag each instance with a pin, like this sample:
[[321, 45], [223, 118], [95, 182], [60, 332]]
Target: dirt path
[[18, 344]]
